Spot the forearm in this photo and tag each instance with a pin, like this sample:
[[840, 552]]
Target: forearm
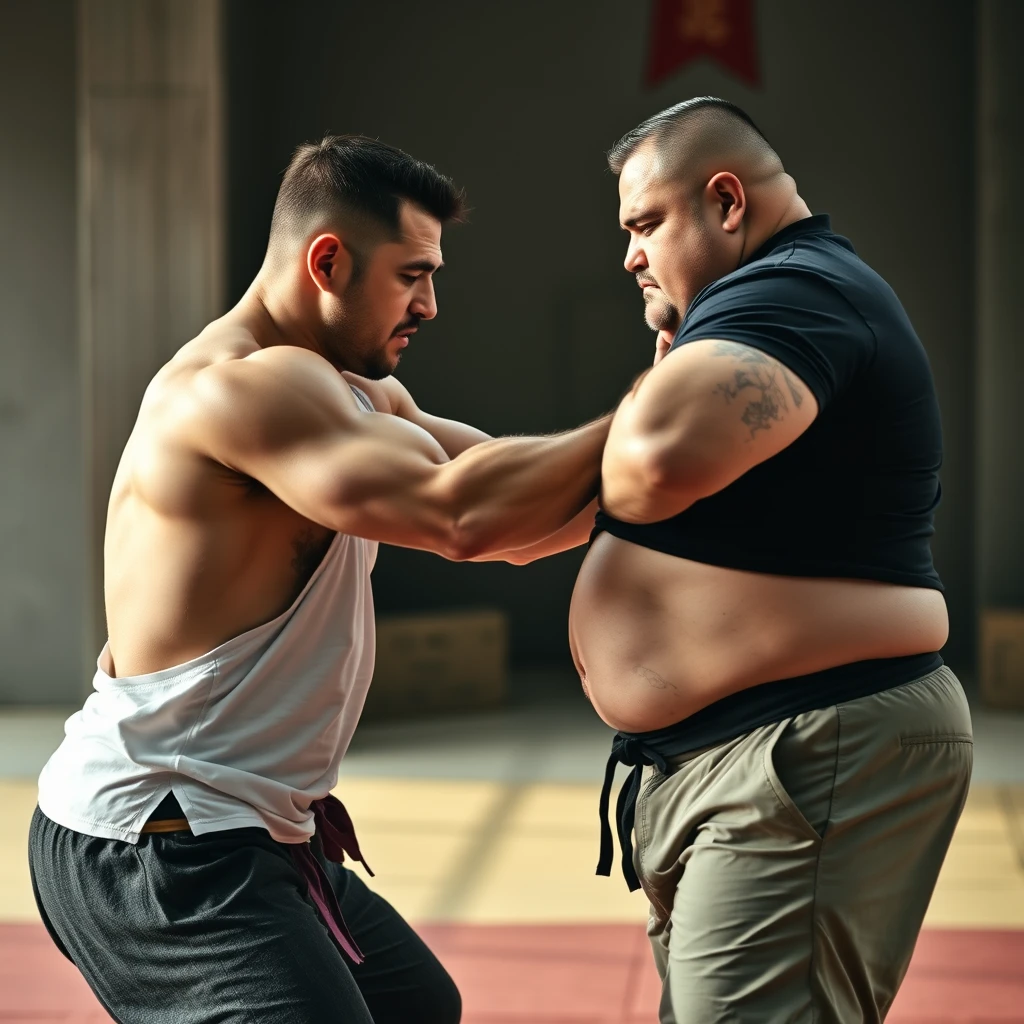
[[513, 492], [575, 533]]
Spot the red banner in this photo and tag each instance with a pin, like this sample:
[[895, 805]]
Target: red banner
[[684, 30]]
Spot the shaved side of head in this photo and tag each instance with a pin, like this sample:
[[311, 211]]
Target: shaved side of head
[[699, 137], [356, 185]]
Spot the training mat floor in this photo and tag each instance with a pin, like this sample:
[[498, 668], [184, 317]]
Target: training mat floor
[[568, 974]]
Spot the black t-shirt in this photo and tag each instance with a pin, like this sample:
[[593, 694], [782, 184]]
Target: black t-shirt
[[855, 495]]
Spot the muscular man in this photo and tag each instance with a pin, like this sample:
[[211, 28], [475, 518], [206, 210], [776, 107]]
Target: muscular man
[[170, 851], [758, 614]]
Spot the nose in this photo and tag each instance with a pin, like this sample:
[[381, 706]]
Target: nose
[[424, 301], [636, 258]]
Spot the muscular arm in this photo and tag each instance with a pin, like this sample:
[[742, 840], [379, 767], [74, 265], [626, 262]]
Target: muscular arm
[[391, 396], [283, 416], [697, 421]]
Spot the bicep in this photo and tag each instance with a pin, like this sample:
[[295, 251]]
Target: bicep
[[348, 464], [381, 479], [712, 410]]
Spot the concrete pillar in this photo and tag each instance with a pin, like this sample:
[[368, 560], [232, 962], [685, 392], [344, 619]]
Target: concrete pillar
[[41, 551], [150, 221], [1000, 305]]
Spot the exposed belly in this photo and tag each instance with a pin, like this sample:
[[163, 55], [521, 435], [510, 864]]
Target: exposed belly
[[656, 637]]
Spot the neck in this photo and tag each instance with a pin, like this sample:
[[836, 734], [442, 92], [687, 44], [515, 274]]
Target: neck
[[780, 208], [272, 314]]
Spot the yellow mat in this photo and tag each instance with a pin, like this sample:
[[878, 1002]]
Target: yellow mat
[[490, 852]]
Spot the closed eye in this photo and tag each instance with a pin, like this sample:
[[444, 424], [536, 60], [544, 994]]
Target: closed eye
[[641, 229], [421, 266], [643, 224]]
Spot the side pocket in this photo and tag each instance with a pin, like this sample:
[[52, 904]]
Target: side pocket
[[799, 763], [660, 909], [641, 827]]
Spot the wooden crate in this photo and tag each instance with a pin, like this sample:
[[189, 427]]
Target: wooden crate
[[1002, 658]]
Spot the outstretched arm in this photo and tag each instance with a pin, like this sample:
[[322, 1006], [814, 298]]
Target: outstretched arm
[[698, 420], [391, 396], [284, 417]]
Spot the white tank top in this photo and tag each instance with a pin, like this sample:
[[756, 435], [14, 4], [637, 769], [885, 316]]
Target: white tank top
[[249, 734]]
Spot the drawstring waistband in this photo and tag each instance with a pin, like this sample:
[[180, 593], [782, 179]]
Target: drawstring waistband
[[337, 837], [630, 751]]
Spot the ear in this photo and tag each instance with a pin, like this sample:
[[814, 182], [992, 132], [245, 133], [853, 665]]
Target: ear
[[329, 263], [727, 193]]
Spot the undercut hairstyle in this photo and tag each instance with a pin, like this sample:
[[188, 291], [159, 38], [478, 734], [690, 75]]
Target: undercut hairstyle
[[360, 183], [706, 124]]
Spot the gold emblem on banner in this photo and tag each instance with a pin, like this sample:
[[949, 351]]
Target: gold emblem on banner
[[705, 21]]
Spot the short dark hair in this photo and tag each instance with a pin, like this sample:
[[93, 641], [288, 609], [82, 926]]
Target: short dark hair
[[663, 124], [363, 180]]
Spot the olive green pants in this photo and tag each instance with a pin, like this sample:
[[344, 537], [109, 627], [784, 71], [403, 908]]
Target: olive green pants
[[789, 870]]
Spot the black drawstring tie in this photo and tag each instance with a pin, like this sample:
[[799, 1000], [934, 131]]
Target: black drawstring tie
[[630, 751]]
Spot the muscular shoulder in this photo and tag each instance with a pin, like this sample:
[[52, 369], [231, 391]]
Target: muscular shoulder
[[264, 400], [268, 377], [272, 370]]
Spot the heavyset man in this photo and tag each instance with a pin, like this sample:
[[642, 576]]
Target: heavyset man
[[758, 613]]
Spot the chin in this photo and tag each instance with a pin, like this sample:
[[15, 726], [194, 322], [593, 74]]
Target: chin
[[379, 369], [662, 316]]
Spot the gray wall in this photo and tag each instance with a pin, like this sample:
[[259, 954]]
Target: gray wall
[[870, 105], [41, 534]]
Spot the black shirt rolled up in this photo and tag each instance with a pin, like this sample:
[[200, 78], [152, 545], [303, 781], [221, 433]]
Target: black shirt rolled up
[[853, 497]]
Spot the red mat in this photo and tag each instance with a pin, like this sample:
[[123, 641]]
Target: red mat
[[568, 974]]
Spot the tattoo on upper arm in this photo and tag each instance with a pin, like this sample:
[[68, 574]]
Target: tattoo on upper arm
[[762, 373]]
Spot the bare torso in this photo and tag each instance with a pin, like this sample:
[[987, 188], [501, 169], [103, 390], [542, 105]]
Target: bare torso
[[656, 637], [194, 553]]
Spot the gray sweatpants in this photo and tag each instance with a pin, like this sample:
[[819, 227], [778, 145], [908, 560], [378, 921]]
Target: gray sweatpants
[[789, 870]]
